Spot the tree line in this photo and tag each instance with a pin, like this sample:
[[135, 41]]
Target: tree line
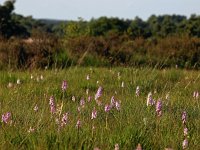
[[164, 41], [12, 24]]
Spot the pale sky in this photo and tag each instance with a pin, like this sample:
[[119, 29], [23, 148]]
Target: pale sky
[[72, 9]]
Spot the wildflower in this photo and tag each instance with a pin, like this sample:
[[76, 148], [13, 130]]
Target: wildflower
[[73, 98], [88, 77], [150, 100], [112, 101], [64, 119], [35, 108], [78, 124], [6, 117], [97, 82], [18, 81], [107, 108], [41, 77], [185, 144], [30, 130], [87, 91], [89, 98], [159, 108], [93, 127], [10, 85], [94, 114], [52, 105], [79, 109], [64, 85], [196, 95], [82, 102], [32, 76], [185, 131], [99, 93], [116, 146], [139, 147], [184, 117], [137, 92], [117, 105], [122, 85]]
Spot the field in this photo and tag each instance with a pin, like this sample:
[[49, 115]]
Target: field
[[31, 121]]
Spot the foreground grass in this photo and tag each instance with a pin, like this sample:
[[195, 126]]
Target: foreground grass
[[134, 123]]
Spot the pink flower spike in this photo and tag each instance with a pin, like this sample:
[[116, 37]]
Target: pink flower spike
[[116, 146], [6, 117], [99, 93], [79, 109], [73, 98], [150, 101], [196, 95], [107, 108], [88, 77], [30, 130], [117, 105], [122, 85], [89, 98], [137, 92], [185, 132], [36, 108], [112, 101], [82, 102], [185, 144], [52, 105], [184, 117], [78, 124], [139, 147], [94, 114], [159, 108], [64, 86], [64, 119]]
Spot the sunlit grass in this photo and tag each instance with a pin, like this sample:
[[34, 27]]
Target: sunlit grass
[[135, 122]]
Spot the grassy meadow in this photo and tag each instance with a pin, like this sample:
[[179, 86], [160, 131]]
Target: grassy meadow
[[32, 124]]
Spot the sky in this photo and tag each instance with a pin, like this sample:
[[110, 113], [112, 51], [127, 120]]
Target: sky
[[87, 9]]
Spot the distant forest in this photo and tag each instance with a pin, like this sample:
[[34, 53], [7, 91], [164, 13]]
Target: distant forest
[[160, 41]]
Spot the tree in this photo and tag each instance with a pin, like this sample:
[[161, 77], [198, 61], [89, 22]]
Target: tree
[[193, 25], [5, 18], [138, 28], [167, 26], [104, 26], [8, 27], [76, 28]]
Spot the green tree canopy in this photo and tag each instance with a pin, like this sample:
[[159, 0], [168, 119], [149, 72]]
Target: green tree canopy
[[8, 27]]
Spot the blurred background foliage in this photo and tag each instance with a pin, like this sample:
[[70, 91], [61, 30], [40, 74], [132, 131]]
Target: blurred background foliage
[[161, 41]]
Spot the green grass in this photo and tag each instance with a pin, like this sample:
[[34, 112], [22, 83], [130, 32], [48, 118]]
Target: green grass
[[134, 123]]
